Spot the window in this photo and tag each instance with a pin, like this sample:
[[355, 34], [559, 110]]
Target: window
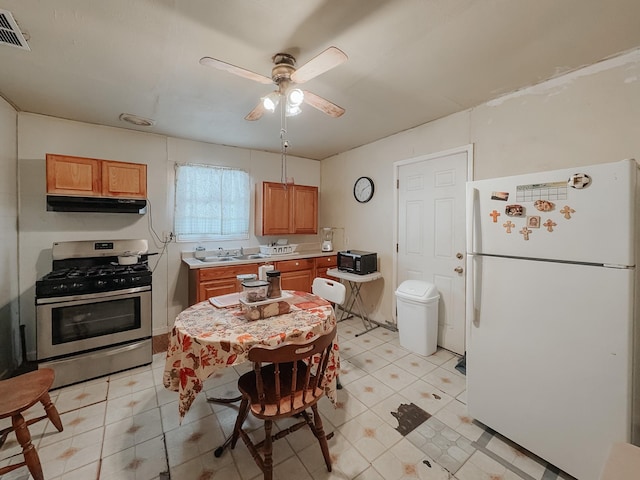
[[212, 203]]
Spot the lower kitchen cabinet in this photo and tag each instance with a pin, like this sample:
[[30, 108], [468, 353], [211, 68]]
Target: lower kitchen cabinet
[[296, 274], [210, 282], [325, 263]]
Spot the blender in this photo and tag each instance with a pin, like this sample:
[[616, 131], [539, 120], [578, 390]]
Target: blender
[[327, 239]]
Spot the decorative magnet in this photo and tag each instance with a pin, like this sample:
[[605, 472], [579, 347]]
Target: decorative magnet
[[495, 216], [549, 224], [533, 221], [579, 180], [543, 205], [514, 210], [508, 225], [567, 211], [503, 196], [525, 232]]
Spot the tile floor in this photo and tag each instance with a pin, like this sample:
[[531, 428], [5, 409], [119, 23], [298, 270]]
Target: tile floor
[[126, 426]]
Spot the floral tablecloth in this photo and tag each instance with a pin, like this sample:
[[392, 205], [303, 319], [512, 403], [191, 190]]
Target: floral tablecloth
[[206, 338]]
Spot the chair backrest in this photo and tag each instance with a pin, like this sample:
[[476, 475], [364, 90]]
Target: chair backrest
[[330, 290], [298, 370]]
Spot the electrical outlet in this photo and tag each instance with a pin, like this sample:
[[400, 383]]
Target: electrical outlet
[[168, 237]]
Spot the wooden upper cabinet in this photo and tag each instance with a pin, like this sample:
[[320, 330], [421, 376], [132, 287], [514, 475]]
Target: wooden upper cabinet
[[276, 212], [90, 177], [126, 180], [286, 210], [73, 176], [304, 208]]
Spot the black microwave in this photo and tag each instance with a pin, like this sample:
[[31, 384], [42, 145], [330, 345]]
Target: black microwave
[[357, 261]]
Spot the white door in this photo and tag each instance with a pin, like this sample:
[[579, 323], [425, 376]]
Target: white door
[[431, 234]]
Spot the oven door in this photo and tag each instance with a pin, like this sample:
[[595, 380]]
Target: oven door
[[74, 324]]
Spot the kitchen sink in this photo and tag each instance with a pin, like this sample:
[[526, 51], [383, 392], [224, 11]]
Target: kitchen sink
[[233, 258], [218, 259], [252, 256]]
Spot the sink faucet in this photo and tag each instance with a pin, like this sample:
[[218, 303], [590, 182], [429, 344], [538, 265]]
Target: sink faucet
[[220, 252], [241, 252]]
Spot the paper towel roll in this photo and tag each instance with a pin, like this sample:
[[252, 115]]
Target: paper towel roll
[[262, 271]]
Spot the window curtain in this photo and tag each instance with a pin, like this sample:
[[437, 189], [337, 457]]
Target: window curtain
[[211, 202]]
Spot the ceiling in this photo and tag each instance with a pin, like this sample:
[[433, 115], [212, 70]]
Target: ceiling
[[410, 61]]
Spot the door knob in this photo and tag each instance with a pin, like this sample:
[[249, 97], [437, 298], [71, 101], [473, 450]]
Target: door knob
[[459, 256], [458, 269]]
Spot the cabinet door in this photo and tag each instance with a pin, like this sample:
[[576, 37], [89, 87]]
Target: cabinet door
[[296, 274], [209, 282], [323, 264], [276, 214], [304, 207], [73, 176], [122, 179], [300, 280], [213, 288]]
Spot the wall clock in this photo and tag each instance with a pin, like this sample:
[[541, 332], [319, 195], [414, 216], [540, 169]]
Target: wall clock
[[363, 189]]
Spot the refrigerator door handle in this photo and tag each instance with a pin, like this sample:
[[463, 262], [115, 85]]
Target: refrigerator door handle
[[472, 195], [474, 267]]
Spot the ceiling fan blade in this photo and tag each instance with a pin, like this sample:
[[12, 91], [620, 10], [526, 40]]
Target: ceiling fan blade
[[323, 104], [324, 61], [241, 72], [256, 113]]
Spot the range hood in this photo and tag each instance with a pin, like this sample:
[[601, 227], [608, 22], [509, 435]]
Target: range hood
[[62, 203]]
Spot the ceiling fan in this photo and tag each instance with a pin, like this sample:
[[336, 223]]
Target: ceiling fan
[[285, 75]]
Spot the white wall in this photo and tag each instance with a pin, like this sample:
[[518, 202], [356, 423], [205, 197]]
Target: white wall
[[9, 318], [38, 229], [589, 116]]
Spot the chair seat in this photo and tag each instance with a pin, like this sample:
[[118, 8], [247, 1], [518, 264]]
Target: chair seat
[[18, 394], [623, 463], [22, 392], [247, 386]]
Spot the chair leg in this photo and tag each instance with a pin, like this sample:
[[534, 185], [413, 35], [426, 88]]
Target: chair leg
[[322, 438], [28, 450], [242, 416], [51, 410], [268, 451]]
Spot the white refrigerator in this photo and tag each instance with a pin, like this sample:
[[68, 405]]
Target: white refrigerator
[[553, 340]]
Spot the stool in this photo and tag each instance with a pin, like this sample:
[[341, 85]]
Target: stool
[[18, 394]]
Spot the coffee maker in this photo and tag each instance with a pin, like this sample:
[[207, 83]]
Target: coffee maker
[[327, 239]]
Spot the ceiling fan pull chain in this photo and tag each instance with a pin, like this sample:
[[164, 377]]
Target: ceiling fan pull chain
[[283, 145]]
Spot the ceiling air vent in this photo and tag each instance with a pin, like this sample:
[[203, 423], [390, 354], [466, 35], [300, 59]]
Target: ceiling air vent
[[10, 34]]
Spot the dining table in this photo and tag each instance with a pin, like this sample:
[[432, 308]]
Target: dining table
[[213, 334]]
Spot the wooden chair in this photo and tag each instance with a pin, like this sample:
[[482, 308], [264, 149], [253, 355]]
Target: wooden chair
[[18, 394], [286, 381]]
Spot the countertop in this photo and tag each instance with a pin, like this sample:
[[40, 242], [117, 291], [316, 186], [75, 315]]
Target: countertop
[[194, 263]]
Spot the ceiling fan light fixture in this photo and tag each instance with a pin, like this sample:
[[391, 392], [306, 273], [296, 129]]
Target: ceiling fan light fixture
[[292, 110], [270, 102], [295, 97]]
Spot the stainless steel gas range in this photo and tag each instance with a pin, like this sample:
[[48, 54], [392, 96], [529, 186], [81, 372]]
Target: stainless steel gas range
[[93, 315]]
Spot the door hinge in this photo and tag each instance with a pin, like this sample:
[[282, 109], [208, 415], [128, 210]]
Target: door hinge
[[398, 183], [397, 249]]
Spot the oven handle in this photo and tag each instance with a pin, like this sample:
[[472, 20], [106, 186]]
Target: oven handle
[[93, 296]]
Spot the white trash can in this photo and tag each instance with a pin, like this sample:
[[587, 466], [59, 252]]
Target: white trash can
[[417, 303]]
